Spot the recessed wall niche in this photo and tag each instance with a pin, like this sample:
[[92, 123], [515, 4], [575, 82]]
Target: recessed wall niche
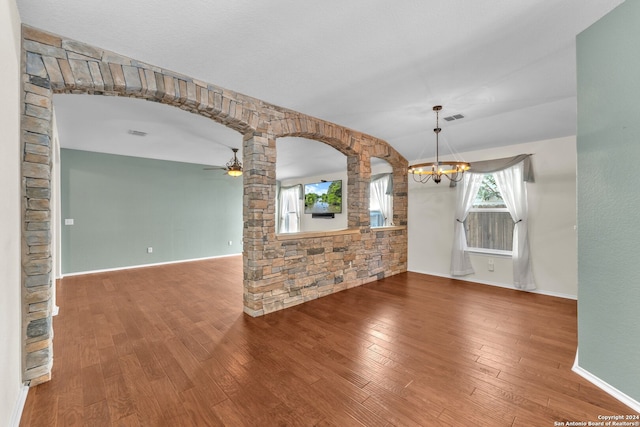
[[305, 167]]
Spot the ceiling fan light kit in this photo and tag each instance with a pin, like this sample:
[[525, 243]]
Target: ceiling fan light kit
[[452, 170], [234, 167]]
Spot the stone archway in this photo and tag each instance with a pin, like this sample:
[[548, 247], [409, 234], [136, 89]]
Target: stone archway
[[273, 278]]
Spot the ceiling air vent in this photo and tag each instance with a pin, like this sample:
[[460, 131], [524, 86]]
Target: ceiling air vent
[[137, 132], [454, 117]]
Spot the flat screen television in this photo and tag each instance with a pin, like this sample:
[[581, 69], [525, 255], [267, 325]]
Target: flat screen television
[[323, 197]]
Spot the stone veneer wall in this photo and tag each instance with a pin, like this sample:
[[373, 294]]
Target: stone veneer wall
[[279, 271]]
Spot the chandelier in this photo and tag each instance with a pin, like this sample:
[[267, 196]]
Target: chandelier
[[452, 170], [234, 167]]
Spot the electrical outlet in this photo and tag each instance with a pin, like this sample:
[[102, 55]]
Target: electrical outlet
[[68, 221], [149, 250], [491, 266], [230, 243]]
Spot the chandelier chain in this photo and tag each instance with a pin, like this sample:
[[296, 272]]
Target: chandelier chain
[[452, 170]]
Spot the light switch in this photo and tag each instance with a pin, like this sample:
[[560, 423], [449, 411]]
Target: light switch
[[68, 221]]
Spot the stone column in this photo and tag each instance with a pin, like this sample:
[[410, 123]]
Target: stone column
[[400, 195], [259, 250], [359, 179], [36, 206]]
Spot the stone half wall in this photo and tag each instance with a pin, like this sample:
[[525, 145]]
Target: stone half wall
[[311, 265], [279, 271]]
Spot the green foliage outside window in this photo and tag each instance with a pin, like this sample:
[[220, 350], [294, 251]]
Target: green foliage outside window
[[489, 194]]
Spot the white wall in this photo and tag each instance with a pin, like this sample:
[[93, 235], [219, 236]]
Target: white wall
[[10, 287], [552, 219]]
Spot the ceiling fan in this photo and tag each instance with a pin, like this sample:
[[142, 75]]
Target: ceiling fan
[[233, 166]]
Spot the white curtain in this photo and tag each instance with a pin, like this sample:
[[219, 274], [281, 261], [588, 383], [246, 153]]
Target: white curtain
[[379, 190], [511, 183], [289, 205], [466, 193]]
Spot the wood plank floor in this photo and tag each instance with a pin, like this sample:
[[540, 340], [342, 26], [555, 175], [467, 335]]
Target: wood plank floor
[[170, 346]]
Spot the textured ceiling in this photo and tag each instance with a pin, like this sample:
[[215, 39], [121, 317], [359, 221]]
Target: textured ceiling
[[374, 66]]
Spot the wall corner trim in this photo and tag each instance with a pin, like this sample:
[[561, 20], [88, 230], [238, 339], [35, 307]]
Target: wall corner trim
[[19, 406], [604, 386]]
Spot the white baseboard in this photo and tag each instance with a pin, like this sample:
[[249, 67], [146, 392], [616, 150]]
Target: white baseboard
[[129, 267], [501, 285], [19, 406], [604, 386]]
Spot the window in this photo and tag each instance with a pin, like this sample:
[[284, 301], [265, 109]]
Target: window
[[381, 200], [289, 208], [489, 227], [488, 195], [376, 218]]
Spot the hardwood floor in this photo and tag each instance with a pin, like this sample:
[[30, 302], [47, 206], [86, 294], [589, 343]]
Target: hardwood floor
[[170, 346]]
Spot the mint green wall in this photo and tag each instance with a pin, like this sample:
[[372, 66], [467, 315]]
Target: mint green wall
[[608, 147], [122, 205]]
